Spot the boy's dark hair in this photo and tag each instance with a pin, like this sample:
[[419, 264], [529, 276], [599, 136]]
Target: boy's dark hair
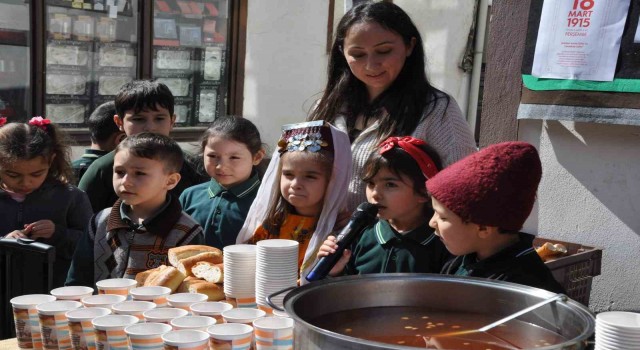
[[399, 163], [139, 95], [101, 124], [234, 128], [404, 101], [154, 146]]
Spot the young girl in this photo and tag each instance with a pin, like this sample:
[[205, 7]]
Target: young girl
[[36, 199], [303, 190], [377, 87], [231, 149], [401, 241]]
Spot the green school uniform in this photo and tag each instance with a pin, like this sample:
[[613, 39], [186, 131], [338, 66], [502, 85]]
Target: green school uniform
[[81, 164], [220, 211], [382, 249]]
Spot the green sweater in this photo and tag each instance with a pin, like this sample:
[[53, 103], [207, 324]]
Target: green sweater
[[97, 181], [220, 211], [381, 249]]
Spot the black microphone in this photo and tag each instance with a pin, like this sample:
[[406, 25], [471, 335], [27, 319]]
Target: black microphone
[[362, 217]]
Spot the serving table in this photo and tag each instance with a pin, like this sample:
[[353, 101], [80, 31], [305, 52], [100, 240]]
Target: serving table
[[9, 344]]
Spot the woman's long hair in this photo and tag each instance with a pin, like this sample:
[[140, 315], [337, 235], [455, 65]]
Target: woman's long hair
[[408, 97]]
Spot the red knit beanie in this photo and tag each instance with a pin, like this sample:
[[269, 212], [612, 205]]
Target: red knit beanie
[[495, 186]]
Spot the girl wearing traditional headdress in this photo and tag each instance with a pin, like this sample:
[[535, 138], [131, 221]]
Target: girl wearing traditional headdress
[[303, 190]]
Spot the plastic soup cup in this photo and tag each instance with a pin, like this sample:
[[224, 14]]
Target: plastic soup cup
[[102, 300], [236, 336], [154, 294], [241, 315], [26, 319], [186, 339], [163, 315], [120, 286], [54, 324], [200, 323], [185, 300], [133, 308], [147, 336], [273, 333], [110, 331], [71, 293], [211, 308], [83, 336]]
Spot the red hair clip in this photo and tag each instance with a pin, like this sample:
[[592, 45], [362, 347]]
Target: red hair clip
[[410, 145], [3, 121], [40, 122]]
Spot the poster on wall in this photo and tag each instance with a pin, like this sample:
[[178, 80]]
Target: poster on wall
[[579, 39]]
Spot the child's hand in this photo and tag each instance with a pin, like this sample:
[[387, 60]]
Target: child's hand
[[328, 247], [40, 228], [16, 234]]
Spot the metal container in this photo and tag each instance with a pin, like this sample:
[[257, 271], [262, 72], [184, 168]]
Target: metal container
[[569, 319]]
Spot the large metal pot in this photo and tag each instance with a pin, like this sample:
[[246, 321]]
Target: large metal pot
[[570, 319]]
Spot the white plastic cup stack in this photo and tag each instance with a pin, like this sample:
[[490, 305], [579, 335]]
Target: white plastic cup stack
[[240, 270], [276, 268], [617, 330]]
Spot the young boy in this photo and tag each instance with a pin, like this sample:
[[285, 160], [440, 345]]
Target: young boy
[[136, 233], [105, 136], [480, 204], [141, 106]]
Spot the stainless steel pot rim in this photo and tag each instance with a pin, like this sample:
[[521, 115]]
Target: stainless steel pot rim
[[582, 311]]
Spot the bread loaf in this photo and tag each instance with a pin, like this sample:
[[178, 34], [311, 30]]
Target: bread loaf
[[185, 265], [214, 291], [183, 252], [210, 272], [190, 280], [168, 277], [550, 251], [141, 277]]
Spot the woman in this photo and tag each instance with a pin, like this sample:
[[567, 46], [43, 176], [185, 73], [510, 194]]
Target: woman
[[377, 87]]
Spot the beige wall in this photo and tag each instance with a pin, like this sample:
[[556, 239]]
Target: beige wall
[[590, 193]]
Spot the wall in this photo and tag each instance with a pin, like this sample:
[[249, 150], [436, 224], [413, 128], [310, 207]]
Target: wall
[[590, 193], [285, 67], [590, 189], [285, 62]]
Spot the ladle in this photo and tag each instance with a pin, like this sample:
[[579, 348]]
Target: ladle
[[557, 297]]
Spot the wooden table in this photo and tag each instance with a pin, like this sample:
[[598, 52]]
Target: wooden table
[[9, 344]]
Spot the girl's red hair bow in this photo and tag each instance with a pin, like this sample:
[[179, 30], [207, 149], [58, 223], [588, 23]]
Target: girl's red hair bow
[[40, 122], [3, 121], [410, 145]]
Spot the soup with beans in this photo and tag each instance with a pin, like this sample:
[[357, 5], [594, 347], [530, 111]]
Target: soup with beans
[[426, 328]]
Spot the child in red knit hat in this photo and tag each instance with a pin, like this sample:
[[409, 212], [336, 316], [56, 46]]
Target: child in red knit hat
[[480, 203]]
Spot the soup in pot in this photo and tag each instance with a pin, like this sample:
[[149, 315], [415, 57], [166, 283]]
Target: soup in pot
[[431, 329]]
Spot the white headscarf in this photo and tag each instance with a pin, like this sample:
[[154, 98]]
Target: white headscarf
[[334, 199]]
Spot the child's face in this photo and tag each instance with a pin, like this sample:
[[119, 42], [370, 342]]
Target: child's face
[[459, 237], [303, 182], [228, 161], [25, 176], [147, 120], [141, 182], [396, 200], [375, 55]]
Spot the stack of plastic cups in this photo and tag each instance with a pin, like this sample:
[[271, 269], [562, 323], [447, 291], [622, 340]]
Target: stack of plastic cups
[[617, 330], [276, 269], [26, 319], [240, 274]]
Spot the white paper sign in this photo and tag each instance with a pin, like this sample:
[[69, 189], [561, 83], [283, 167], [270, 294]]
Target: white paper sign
[[579, 39]]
